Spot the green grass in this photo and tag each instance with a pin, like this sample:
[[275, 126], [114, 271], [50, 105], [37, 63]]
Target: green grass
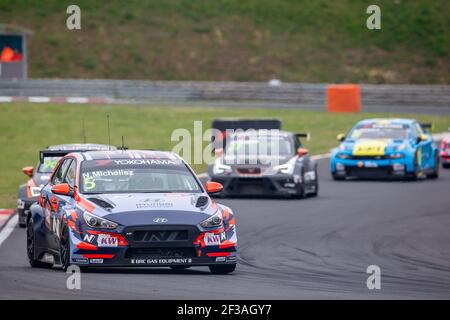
[[27, 128], [294, 40]]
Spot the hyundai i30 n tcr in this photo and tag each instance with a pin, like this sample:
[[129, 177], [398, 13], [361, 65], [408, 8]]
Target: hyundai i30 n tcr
[[39, 175], [130, 208], [380, 148]]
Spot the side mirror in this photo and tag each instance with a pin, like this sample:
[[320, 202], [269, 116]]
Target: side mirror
[[302, 152], [28, 171], [63, 189], [213, 187], [422, 137], [340, 137]]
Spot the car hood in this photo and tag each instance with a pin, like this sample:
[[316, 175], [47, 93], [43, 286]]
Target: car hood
[[145, 209], [373, 147]]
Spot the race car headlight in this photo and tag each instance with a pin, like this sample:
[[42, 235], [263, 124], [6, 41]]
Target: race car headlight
[[35, 191], [343, 156], [287, 168], [396, 155], [220, 168], [213, 222], [94, 221]]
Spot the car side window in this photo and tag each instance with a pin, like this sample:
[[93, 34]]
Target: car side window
[[59, 174], [71, 173], [415, 132], [419, 128], [297, 143]]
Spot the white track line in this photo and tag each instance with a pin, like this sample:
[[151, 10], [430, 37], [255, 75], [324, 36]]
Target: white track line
[[8, 228]]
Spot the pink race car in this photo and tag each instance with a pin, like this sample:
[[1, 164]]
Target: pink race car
[[445, 152]]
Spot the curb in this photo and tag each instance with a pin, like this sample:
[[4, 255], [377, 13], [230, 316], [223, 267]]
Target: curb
[[8, 226], [5, 215]]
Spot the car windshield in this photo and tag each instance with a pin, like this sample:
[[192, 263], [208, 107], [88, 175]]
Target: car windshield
[[136, 176], [259, 145], [380, 132], [48, 164]]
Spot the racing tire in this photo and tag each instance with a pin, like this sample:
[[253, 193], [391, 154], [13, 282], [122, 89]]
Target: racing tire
[[435, 173], [222, 269], [22, 224], [64, 250], [22, 219], [316, 192], [34, 263]]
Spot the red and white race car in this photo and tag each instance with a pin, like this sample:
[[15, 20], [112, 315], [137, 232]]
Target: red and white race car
[[445, 152]]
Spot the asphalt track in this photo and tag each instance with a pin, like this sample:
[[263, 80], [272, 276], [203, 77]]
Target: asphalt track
[[317, 248]]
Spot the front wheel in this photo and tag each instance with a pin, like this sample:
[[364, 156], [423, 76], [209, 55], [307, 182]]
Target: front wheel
[[316, 185], [31, 249], [435, 173], [64, 250], [22, 219], [222, 269]]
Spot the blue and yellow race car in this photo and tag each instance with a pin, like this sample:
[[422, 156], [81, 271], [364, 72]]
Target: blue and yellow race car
[[381, 148]]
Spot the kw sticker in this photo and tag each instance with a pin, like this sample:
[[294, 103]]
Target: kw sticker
[[105, 240]]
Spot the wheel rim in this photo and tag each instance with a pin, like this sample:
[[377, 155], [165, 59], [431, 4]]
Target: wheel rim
[[30, 241], [64, 252]]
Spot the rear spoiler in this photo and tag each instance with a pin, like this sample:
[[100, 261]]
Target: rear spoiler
[[427, 126], [306, 135], [243, 124], [56, 153]]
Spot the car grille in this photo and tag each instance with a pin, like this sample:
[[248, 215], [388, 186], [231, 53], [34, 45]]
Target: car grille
[[368, 157], [249, 170], [369, 172], [160, 236]]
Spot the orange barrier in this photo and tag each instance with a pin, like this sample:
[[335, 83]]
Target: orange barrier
[[343, 98]]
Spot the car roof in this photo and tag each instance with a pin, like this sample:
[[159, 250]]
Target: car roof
[[388, 121], [129, 154], [274, 132], [81, 146]]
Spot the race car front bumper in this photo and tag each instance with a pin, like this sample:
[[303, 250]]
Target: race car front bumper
[[371, 169], [141, 247], [273, 185]]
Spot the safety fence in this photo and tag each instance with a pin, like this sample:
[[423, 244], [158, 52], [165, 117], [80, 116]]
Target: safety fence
[[243, 94]]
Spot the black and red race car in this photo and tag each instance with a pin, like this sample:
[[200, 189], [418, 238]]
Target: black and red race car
[[39, 175], [255, 157], [130, 208]]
